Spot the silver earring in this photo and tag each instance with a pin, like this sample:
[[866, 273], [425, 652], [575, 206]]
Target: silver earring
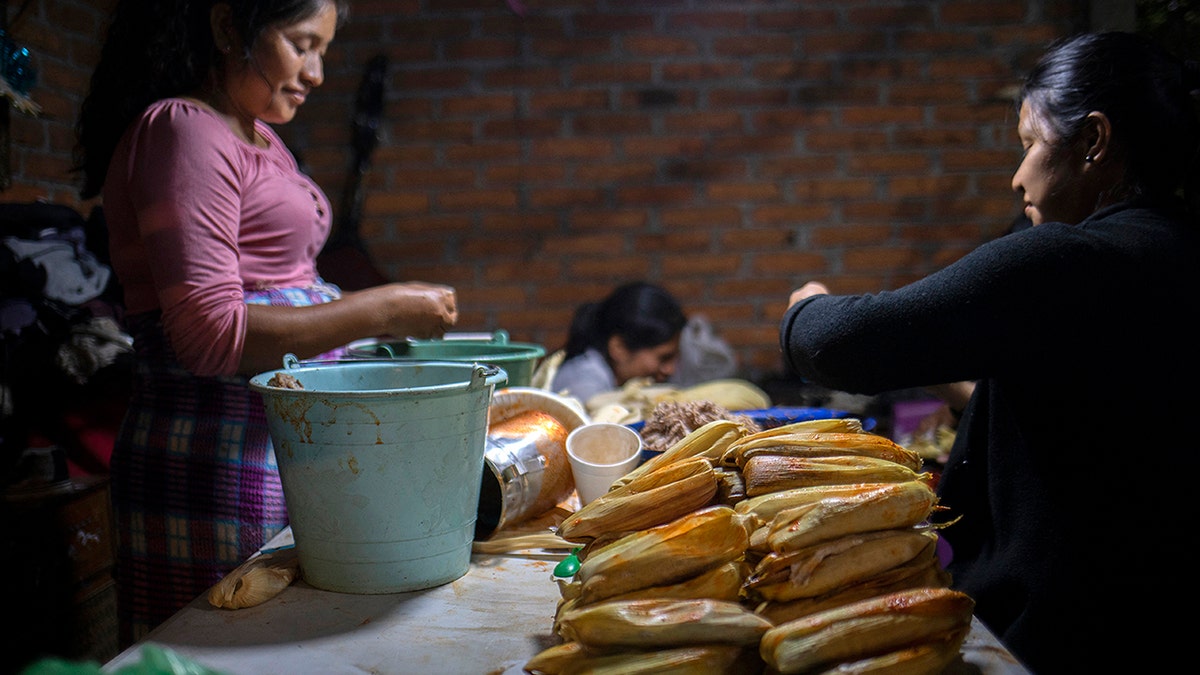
[[1089, 159]]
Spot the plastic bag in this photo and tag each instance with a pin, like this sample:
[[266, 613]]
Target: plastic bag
[[703, 356], [156, 660]]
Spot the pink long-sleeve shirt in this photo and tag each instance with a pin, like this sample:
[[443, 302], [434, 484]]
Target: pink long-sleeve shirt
[[196, 216]]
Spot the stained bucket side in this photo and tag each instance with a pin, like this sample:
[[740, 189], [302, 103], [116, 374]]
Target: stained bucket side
[[382, 483]]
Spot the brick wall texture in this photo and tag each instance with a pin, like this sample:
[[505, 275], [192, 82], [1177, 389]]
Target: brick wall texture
[[534, 154]]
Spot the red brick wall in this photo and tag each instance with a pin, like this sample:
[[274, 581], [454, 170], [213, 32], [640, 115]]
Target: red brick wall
[[728, 150], [63, 37]]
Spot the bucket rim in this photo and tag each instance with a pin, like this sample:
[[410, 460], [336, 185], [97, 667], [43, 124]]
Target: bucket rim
[[482, 350], [476, 375]]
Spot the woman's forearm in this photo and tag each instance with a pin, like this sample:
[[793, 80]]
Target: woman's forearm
[[392, 310]]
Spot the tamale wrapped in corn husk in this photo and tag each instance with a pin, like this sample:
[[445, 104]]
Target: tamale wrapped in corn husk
[[257, 580], [690, 660], [844, 425], [651, 499], [919, 573], [662, 623], [829, 565], [709, 441], [828, 444], [664, 554], [868, 628], [723, 582], [921, 659], [889, 506], [763, 508], [771, 473]]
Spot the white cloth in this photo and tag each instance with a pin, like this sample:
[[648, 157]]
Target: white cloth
[[73, 275], [584, 376]]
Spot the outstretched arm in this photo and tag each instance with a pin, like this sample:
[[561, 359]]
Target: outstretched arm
[[413, 309]]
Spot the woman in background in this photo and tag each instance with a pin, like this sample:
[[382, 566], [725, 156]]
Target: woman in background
[[1072, 473], [214, 234], [633, 333]]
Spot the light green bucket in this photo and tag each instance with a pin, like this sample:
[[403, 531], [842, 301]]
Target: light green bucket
[[380, 465]]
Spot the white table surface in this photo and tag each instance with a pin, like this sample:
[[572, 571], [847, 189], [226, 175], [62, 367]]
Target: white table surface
[[491, 621]]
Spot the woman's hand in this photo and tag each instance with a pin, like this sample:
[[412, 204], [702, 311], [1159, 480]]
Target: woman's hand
[[400, 310], [420, 310], [955, 396], [807, 290]]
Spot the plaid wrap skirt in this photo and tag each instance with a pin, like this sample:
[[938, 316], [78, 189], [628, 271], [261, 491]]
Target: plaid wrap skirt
[[195, 485]]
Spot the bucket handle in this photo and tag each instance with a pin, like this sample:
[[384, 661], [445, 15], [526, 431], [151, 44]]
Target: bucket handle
[[485, 373], [498, 337], [291, 361], [386, 349]]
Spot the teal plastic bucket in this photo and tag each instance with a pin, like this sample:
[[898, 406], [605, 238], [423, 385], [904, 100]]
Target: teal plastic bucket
[[518, 359], [380, 464]]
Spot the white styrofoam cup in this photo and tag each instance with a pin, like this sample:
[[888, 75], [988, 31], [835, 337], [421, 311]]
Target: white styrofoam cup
[[600, 453]]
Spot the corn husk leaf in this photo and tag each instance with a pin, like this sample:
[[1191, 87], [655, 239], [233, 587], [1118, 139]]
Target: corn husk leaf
[[731, 488], [257, 580], [555, 659], [729, 393]]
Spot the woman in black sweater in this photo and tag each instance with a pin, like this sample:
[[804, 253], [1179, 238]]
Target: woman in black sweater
[[1073, 466]]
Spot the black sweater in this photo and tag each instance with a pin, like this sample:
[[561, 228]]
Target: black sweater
[[1074, 465]]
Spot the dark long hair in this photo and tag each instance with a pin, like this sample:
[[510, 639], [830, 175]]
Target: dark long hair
[[1149, 95], [155, 50], [643, 314]]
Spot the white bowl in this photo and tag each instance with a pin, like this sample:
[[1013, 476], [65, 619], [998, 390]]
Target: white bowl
[[512, 401]]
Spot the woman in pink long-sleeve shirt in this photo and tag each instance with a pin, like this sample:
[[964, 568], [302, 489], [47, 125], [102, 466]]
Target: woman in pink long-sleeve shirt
[[214, 234]]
